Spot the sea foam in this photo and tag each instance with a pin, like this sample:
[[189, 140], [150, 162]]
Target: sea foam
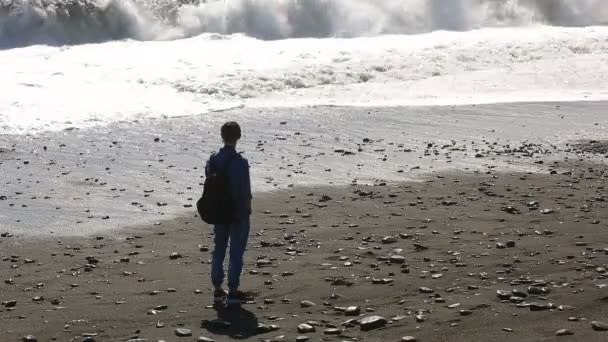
[[59, 22]]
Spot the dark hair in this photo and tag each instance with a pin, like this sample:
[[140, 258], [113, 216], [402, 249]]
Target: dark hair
[[231, 132]]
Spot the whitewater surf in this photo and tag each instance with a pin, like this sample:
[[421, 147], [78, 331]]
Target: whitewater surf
[[26, 22], [69, 63]]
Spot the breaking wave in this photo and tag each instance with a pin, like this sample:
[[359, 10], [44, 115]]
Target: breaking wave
[[59, 22]]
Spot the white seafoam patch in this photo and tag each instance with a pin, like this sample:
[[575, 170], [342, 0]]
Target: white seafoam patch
[[49, 88]]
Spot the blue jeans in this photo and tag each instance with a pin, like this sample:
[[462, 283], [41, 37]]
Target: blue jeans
[[237, 233]]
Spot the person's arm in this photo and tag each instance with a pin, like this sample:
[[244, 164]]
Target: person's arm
[[247, 186]]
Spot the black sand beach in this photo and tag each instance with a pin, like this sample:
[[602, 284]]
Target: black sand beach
[[488, 253]]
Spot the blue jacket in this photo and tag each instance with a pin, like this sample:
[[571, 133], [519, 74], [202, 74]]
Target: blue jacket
[[238, 176]]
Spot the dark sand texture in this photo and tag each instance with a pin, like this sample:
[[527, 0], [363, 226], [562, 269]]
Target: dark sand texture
[[428, 256]]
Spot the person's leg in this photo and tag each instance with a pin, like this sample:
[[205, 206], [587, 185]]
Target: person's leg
[[219, 254], [239, 234]]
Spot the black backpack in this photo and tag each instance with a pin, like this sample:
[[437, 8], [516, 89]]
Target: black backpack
[[216, 205]]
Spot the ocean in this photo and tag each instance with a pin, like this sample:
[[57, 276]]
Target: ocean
[[109, 108], [69, 63]]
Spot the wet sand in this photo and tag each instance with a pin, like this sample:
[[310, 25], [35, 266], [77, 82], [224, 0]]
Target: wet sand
[[81, 182]]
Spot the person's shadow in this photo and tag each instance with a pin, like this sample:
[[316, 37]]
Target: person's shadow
[[236, 322]]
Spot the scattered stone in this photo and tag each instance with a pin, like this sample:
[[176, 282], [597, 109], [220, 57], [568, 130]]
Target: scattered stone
[[510, 210], [307, 304], [263, 262], [266, 328], [466, 312], [352, 311], [420, 318], [325, 198], [564, 332], [382, 281], [182, 332], [418, 247], [538, 307], [305, 328], [175, 256], [10, 304], [389, 239], [397, 259], [599, 326], [504, 295], [425, 290], [332, 331], [408, 339], [372, 322]]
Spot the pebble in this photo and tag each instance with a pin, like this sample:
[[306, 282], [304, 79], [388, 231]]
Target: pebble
[[305, 328], [266, 328], [389, 239], [307, 304], [599, 326], [408, 339], [263, 262], [205, 339], [182, 332], [352, 311], [10, 304], [426, 290], [30, 338], [563, 332], [372, 322], [538, 307], [397, 259], [332, 331]]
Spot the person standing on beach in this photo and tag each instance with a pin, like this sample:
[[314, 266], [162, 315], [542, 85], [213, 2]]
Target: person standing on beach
[[236, 169]]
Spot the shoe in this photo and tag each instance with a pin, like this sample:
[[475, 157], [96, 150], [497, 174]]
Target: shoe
[[237, 298], [219, 296]]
